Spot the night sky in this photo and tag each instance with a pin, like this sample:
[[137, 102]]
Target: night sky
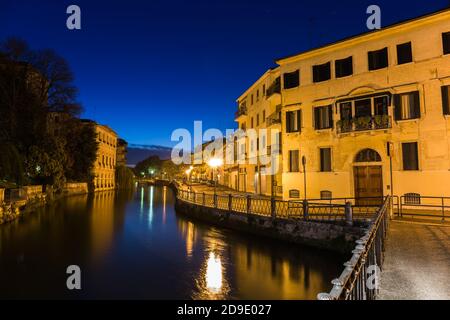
[[146, 68]]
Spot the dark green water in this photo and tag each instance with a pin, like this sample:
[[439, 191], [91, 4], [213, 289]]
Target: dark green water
[[132, 245]]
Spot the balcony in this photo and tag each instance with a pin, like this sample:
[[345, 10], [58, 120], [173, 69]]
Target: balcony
[[242, 111], [275, 117], [275, 88], [367, 123]]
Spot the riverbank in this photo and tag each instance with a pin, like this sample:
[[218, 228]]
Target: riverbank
[[29, 198], [322, 226]]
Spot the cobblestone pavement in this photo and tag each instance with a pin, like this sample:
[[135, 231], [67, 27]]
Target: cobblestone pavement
[[417, 262]]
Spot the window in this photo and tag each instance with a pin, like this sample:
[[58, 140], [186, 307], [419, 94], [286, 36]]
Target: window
[[343, 67], [251, 122], [293, 119], [291, 80], [294, 163], [321, 72], [378, 59], [404, 53], [363, 108], [264, 116], [367, 155], [346, 110], [294, 193], [407, 106], [257, 119], [412, 198], [410, 156], [323, 117], [252, 99], [257, 95], [445, 99], [325, 159], [381, 105], [446, 42], [264, 90], [325, 195]]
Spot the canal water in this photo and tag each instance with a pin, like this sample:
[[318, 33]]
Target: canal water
[[132, 245]]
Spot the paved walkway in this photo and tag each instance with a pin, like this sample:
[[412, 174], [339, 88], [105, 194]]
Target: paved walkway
[[417, 262]]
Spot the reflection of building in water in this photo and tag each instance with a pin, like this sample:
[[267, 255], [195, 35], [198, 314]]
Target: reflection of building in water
[[263, 276], [188, 232], [102, 222]]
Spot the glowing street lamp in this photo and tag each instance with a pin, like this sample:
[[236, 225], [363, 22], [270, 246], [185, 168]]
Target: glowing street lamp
[[214, 163]]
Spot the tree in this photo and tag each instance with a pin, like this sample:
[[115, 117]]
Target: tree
[[124, 177], [145, 166]]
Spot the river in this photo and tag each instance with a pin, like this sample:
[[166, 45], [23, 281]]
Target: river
[[133, 245]]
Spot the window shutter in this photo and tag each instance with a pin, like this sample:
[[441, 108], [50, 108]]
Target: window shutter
[[316, 118], [299, 120], [445, 100], [330, 115], [416, 104], [397, 107], [288, 122]]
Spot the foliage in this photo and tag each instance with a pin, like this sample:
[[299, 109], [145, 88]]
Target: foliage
[[33, 86], [145, 166], [124, 177]]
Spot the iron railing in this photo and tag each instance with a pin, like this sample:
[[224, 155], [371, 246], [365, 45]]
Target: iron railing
[[423, 206], [312, 209], [360, 278]]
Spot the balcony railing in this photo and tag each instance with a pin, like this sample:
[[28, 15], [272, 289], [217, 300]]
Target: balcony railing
[[275, 87], [242, 110], [364, 124]]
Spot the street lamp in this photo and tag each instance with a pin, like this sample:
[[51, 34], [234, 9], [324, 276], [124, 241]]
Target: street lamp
[[304, 174], [214, 163]]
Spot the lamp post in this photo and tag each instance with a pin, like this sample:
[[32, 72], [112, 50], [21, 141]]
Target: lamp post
[[304, 175], [214, 163], [188, 177]]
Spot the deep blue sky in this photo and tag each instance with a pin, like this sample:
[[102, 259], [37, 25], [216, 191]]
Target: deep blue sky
[[148, 67]]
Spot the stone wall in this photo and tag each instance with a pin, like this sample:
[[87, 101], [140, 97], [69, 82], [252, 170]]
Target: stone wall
[[76, 188], [333, 236]]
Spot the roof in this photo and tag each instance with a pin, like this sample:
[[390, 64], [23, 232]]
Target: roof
[[362, 35]]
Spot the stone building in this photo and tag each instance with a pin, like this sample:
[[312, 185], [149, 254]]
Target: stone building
[[368, 115], [105, 164]]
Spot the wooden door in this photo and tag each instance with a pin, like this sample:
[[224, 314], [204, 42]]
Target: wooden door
[[368, 185]]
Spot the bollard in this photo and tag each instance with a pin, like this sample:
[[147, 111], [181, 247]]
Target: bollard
[[305, 209], [348, 213]]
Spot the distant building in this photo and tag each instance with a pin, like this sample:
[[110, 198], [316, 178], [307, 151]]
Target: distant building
[[121, 152], [105, 165]]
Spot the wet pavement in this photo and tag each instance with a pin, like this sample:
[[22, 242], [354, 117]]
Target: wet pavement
[[417, 262]]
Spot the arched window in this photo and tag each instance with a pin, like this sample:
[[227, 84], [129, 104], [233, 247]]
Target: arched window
[[367, 155]]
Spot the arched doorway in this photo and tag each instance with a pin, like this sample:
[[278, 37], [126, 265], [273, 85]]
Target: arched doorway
[[368, 177]]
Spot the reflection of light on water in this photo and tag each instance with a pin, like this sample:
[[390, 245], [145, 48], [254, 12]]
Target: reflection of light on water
[[150, 209], [214, 273], [190, 238], [142, 199], [164, 204]]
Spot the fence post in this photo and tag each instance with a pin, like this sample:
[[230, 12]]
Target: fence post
[[230, 202], [204, 201], [272, 208], [305, 209], [249, 204], [348, 213]]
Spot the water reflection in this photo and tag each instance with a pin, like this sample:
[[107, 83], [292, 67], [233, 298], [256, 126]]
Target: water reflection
[[133, 245]]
